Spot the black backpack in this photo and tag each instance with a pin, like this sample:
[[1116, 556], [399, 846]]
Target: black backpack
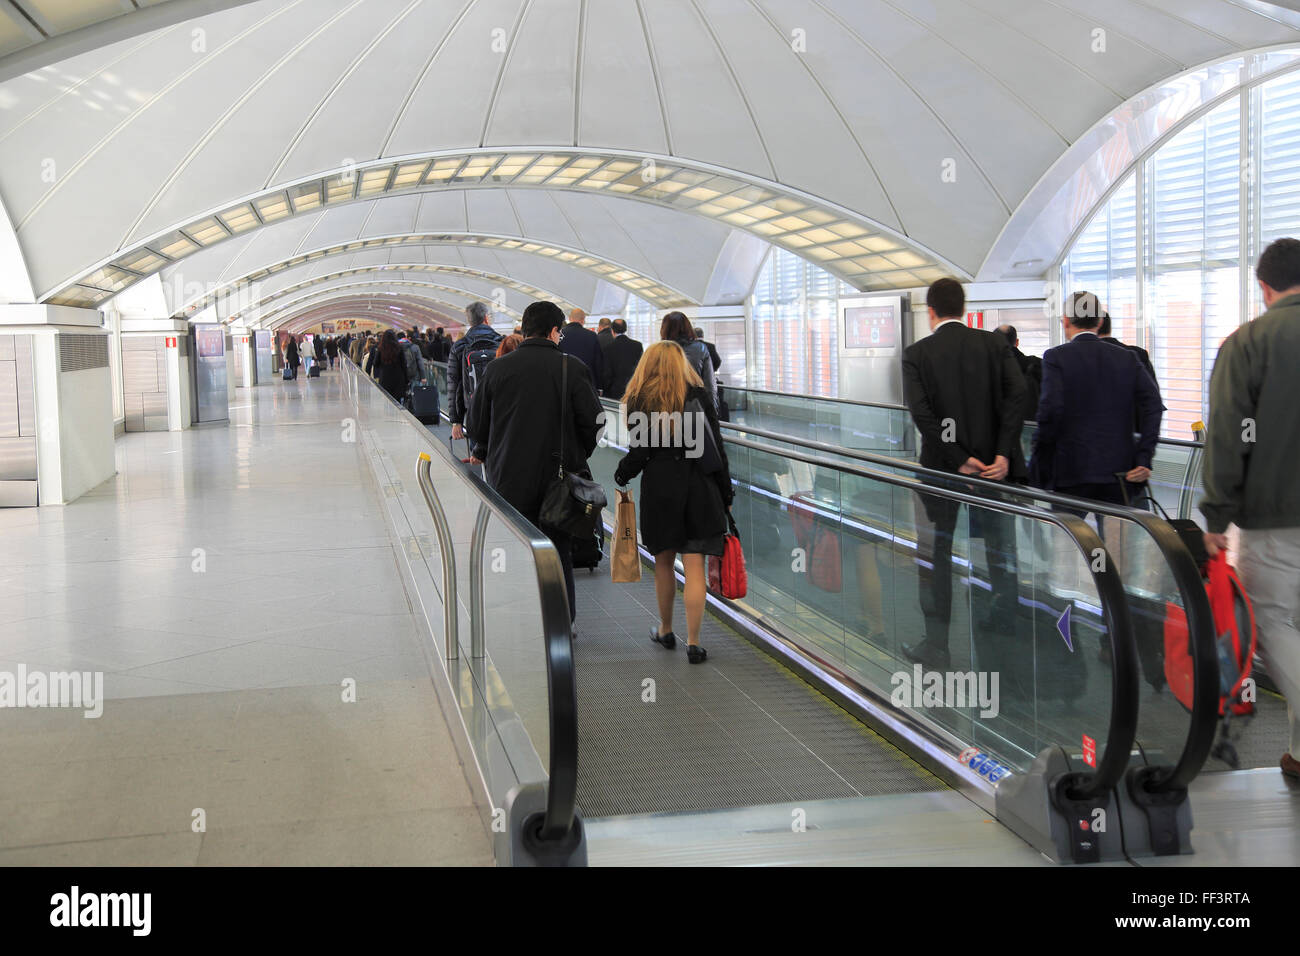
[[476, 361]]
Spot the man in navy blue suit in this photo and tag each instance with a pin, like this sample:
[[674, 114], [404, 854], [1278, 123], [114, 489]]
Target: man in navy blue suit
[[1092, 395]]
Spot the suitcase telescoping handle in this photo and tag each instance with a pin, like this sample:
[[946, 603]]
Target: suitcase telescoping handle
[[1146, 493]]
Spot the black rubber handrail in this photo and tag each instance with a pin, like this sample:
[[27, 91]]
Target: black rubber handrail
[[1122, 730], [1187, 576], [890, 406], [561, 670]]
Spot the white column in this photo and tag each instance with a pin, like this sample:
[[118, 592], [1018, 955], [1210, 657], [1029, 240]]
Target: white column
[[73, 391]]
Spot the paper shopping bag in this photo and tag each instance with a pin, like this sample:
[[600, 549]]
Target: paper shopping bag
[[624, 562]]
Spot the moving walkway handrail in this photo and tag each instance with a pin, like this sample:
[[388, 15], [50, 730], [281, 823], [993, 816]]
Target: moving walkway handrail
[[891, 406], [561, 674], [1124, 673], [1200, 621]]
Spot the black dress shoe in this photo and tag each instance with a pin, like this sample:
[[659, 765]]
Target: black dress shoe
[[696, 654], [927, 655], [668, 640]]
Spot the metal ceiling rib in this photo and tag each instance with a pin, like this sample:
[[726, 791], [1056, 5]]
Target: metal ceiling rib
[[48, 44]]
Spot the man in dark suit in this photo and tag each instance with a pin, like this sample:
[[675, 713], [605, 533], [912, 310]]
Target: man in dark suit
[[1031, 367], [583, 344], [621, 358], [966, 395], [604, 332], [1103, 333], [1092, 395], [514, 423]]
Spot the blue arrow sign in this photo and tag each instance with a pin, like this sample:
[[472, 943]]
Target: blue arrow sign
[[1063, 625]]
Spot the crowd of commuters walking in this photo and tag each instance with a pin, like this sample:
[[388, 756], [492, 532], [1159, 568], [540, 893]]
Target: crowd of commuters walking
[[527, 405]]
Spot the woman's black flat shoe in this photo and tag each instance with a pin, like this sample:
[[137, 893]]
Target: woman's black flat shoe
[[668, 640], [696, 654]]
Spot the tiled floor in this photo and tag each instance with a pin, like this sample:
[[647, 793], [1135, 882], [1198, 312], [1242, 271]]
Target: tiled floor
[[227, 583]]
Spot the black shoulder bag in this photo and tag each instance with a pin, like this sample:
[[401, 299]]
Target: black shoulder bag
[[572, 503]]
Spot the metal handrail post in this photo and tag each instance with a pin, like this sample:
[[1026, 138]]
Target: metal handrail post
[[1193, 466], [476, 641], [449, 615]]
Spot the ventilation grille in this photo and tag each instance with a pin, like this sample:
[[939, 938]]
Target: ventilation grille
[[80, 352]]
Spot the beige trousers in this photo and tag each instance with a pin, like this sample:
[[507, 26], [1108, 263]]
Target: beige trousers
[[1269, 565]]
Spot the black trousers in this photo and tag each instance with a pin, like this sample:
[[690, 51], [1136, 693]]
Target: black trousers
[[563, 544], [936, 522]]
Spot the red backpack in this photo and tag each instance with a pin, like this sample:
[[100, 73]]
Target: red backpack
[[1234, 628]]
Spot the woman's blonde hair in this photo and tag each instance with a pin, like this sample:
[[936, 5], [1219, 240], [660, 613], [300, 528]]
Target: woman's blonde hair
[[661, 379]]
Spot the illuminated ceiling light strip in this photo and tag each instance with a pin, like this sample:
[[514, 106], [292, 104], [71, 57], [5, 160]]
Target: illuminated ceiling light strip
[[778, 215], [665, 299], [268, 316], [418, 267]]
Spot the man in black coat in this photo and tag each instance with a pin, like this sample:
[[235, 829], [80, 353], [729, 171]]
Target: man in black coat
[[621, 358], [714, 357], [514, 422], [966, 395], [605, 332], [1103, 333], [583, 344], [1031, 367]]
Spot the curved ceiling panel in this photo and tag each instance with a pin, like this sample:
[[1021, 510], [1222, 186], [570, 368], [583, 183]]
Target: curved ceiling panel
[[634, 245], [400, 311], [920, 123], [455, 297], [502, 297], [490, 286]]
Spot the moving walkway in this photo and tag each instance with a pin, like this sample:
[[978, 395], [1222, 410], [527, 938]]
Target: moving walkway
[[563, 744]]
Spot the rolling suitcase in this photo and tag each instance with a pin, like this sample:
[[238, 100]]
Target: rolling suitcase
[[288, 373], [423, 403], [315, 372], [588, 551]]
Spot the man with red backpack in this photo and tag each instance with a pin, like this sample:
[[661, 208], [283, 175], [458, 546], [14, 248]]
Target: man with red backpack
[[468, 358], [1252, 463]]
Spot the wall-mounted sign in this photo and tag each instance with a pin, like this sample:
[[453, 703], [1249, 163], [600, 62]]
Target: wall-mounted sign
[[210, 341], [871, 327]]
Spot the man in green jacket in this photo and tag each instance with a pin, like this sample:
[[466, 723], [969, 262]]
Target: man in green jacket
[[1252, 468]]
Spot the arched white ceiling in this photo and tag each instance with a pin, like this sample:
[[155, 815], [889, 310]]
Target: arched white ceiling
[[925, 119], [397, 311], [501, 298], [455, 298], [313, 274], [535, 236], [34, 33]]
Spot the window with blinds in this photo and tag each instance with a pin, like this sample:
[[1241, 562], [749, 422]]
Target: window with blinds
[[794, 318], [1104, 261], [1188, 206], [1277, 112], [642, 320], [1193, 205]]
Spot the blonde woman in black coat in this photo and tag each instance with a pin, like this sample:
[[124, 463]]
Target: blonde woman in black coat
[[676, 447]]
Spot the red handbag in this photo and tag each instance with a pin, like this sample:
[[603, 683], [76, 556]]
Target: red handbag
[[727, 574]]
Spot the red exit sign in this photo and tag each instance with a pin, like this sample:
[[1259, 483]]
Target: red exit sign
[[975, 320]]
